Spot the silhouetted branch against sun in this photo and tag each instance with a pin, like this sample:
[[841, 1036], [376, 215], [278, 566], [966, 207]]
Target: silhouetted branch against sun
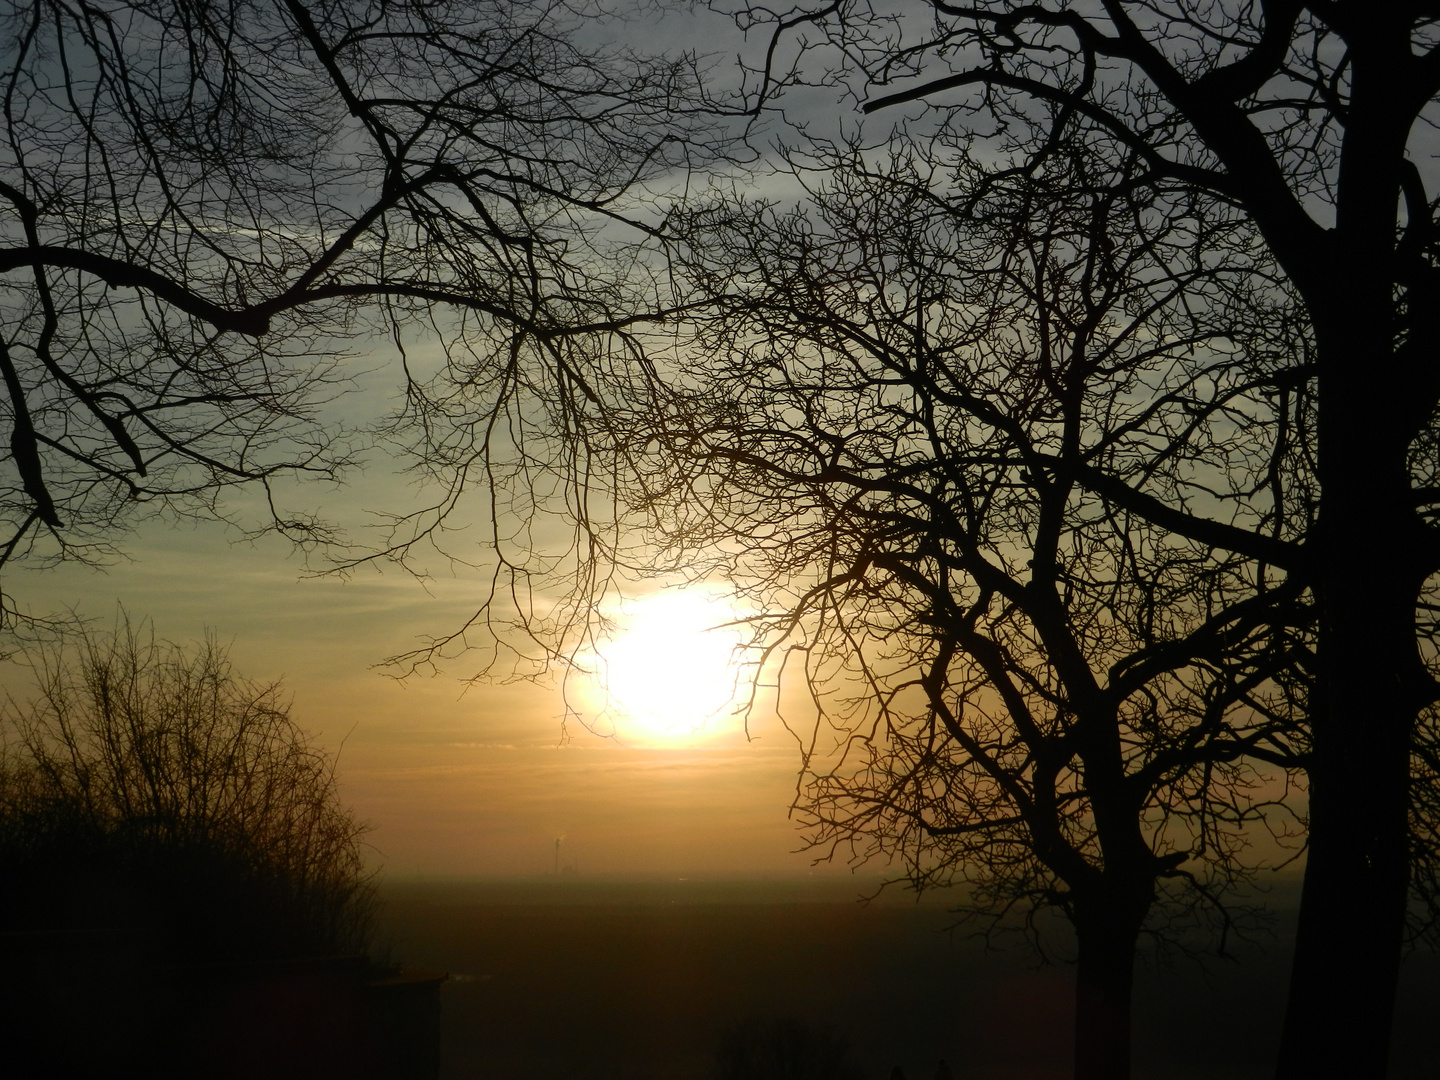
[[208, 211], [1074, 435], [920, 431], [1289, 144]]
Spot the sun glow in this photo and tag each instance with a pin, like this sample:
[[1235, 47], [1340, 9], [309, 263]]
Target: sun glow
[[671, 672]]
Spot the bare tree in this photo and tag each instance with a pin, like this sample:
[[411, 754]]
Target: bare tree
[[203, 206], [913, 431], [1309, 121], [155, 770]]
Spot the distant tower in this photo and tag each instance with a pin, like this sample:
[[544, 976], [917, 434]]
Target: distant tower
[[557, 855]]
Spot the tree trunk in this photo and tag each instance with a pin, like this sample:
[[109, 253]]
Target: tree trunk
[[1369, 561], [1347, 949], [1369, 558], [1106, 932]]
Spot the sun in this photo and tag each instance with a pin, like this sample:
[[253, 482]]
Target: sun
[[671, 672]]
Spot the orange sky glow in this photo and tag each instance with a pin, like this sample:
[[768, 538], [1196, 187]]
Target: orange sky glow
[[476, 779]]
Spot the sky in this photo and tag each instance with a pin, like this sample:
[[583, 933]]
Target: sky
[[457, 778], [462, 779]]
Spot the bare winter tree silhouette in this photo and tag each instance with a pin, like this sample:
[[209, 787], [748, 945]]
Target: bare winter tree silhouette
[[926, 430], [153, 772], [1306, 124], [205, 207]]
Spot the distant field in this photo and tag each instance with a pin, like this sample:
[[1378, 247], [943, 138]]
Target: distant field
[[597, 980]]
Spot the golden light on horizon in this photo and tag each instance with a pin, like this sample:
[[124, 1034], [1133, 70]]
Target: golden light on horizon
[[670, 675]]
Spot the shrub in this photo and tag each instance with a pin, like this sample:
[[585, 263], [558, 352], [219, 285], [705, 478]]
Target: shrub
[[147, 785]]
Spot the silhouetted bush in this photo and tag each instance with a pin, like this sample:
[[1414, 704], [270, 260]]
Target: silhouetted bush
[[783, 1049], [149, 787]]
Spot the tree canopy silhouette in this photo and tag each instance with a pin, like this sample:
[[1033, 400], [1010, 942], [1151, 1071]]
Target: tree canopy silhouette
[[204, 205], [1306, 122], [920, 430], [200, 204], [148, 786]]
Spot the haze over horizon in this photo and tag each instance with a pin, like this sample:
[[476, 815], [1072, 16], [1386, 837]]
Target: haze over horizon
[[462, 780]]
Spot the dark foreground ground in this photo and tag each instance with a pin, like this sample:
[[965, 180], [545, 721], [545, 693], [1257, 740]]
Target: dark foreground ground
[[594, 980]]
